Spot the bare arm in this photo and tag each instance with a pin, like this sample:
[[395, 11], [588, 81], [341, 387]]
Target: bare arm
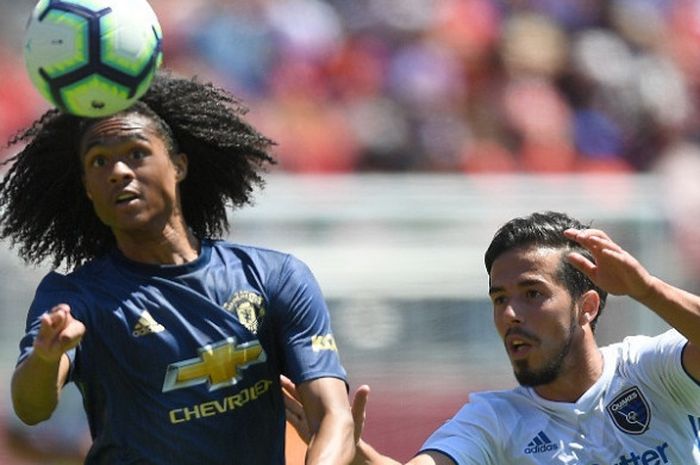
[[620, 273], [365, 454], [329, 421], [37, 381]]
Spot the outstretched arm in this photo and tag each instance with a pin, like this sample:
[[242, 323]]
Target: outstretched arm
[[365, 454], [329, 421], [37, 381], [619, 273]]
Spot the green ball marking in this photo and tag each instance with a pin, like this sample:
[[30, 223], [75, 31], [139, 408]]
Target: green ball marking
[[79, 28], [145, 84], [119, 49], [95, 96]]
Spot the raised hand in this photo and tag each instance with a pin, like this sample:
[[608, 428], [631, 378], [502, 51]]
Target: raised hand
[[58, 333], [614, 270], [297, 418]]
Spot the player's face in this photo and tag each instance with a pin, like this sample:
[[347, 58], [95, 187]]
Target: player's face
[[533, 313], [129, 175]]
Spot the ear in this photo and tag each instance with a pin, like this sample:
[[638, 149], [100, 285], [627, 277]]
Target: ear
[[87, 192], [180, 161], [589, 307]]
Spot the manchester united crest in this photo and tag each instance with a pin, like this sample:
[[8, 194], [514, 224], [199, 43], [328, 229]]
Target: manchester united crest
[[248, 307]]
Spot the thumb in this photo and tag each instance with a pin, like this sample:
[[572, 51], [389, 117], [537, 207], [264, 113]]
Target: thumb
[[359, 405]]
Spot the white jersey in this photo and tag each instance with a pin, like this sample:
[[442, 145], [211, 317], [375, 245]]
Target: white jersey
[[644, 410]]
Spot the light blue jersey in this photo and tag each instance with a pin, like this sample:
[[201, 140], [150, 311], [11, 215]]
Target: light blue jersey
[[644, 410], [180, 364]]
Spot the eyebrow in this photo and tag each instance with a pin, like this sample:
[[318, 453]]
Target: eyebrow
[[523, 283], [111, 140]]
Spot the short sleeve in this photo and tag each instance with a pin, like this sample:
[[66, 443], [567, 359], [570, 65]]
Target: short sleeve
[[658, 362], [468, 438], [303, 325], [54, 289]]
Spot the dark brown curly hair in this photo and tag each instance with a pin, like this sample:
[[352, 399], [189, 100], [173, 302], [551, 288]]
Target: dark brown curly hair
[[43, 206]]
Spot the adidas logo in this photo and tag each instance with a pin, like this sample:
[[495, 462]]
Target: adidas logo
[[540, 443], [146, 325]]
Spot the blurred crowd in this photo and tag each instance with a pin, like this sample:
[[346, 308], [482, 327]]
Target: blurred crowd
[[545, 86], [439, 86]]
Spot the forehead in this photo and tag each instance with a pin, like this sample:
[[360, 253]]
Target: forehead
[[526, 264], [118, 129]]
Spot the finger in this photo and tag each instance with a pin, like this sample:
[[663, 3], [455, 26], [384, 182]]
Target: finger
[[294, 410], [46, 329], [359, 403], [289, 388], [56, 318], [572, 233], [586, 237], [51, 323], [581, 263], [72, 334], [603, 243], [60, 308], [291, 403]]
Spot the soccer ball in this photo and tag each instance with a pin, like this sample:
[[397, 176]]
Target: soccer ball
[[92, 58]]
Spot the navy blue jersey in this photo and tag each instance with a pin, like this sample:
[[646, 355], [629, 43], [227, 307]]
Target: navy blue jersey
[[180, 364]]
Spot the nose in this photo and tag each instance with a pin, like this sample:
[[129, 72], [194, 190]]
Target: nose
[[120, 171], [511, 315]]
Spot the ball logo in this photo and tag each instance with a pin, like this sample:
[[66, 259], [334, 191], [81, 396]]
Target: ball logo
[[630, 411]]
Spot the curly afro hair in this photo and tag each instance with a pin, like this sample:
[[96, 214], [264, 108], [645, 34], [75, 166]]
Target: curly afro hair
[[43, 205]]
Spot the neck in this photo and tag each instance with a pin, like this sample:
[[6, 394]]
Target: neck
[[577, 376], [174, 245]]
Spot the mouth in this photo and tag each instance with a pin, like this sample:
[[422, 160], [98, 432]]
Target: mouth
[[125, 197], [518, 346]]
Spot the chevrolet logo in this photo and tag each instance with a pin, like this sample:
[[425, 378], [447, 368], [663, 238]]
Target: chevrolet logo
[[218, 364]]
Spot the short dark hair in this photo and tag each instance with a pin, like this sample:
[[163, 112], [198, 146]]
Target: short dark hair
[[44, 207], [545, 229]]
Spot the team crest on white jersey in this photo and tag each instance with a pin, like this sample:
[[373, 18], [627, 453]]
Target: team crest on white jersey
[[630, 411], [248, 307]]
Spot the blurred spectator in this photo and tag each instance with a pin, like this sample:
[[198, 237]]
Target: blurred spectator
[[433, 85]]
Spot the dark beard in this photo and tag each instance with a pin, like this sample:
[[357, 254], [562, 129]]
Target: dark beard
[[549, 372]]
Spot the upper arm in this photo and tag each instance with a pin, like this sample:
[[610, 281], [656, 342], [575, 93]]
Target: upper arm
[[431, 457], [691, 360], [330, 422], [323, 396], [303, 326]]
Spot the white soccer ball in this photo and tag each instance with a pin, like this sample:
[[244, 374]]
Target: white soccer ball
[[92, 58]]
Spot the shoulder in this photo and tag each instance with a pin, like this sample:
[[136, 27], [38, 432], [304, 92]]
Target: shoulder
[[76, 284], [249, 252], [490, 409], [634, 349], [481, 431], [503, 402], [265, 259], [74, 279]]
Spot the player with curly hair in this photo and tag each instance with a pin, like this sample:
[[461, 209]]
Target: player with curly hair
[[175, 338]]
